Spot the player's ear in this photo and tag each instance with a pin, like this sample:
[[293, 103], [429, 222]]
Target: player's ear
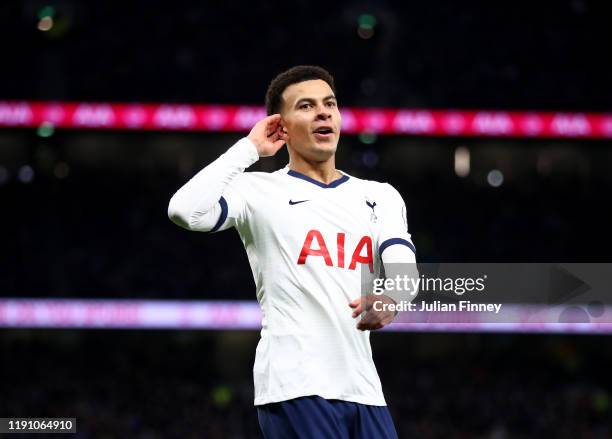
[[282, 126], [283, 129]]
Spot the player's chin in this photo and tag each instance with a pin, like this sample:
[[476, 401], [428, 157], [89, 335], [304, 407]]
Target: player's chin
[[328, 145], [323, 154]]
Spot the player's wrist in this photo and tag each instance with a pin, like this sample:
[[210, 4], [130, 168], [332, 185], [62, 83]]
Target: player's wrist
[[389, 300], [257, 144], [248, 149]]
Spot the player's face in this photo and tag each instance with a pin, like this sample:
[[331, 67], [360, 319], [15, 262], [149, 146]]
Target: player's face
[[311, 117]]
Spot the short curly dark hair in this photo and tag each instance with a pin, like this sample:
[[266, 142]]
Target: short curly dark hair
[[274, 95]]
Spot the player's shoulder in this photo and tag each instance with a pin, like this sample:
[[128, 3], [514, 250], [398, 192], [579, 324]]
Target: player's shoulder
[[256, 182], [374, 187], [259, 177]]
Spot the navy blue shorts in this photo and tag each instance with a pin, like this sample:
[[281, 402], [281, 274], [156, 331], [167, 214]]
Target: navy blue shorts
[[313, 417]]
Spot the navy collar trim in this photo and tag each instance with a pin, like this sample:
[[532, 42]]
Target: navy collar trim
[[333, 184]]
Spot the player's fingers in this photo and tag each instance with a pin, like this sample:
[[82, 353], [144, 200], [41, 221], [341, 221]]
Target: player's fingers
[[368, 320], [283, 135], [272, 130], [277, 139], [357, 308], [279, 143], [386, 319], [370, 326], [369, 302], [272, 122], [363, 324], [271, 119]]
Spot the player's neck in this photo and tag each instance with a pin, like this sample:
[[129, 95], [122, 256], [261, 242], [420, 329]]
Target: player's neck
[[325, 172]]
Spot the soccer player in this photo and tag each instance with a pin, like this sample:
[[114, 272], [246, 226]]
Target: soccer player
[[309, 231]]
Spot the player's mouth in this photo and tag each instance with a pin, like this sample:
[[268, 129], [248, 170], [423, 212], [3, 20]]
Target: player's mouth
[[323, 133]]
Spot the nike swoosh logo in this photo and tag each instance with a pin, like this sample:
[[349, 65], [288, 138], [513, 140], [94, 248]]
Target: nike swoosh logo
[[291, 202]]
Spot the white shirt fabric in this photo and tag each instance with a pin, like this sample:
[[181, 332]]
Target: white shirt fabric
[[307, 245]]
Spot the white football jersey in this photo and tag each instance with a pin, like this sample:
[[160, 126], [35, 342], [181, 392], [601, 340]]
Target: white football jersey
[[307, 244]]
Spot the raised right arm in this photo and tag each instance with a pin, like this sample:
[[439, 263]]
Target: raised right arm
[[199, 205]]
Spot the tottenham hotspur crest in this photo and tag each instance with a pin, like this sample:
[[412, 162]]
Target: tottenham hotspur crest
[[372, 204]]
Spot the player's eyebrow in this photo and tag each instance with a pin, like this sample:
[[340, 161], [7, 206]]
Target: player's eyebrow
[[311, 100]]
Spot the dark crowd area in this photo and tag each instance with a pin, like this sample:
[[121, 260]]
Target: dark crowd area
[[83, 214], [503, 54], [197, 385], [102, 230]]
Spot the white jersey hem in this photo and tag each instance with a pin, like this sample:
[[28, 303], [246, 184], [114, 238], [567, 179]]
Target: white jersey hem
[[359, 399]]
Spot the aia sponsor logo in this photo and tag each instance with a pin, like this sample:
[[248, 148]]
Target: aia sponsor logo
[[315, 246]]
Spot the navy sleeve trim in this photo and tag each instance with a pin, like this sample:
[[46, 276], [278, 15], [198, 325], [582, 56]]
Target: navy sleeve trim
[[393, 241], [223, 216]]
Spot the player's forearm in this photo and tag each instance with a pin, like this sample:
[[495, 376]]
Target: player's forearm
[[193, 205], [400, 260]]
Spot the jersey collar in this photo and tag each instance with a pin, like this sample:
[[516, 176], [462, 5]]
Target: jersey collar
[[333, 184]]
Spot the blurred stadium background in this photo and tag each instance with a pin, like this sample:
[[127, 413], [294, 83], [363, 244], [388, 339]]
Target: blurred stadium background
[[502, 153]]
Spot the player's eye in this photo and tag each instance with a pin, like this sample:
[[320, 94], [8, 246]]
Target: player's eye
[[331, 104], [305, 106]]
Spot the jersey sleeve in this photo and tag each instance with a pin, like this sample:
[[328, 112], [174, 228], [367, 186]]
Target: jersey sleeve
[[233, 203], [395, 247], [213, 199], [394, 242]]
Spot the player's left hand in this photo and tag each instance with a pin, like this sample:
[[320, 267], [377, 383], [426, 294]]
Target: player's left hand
[[372, 319]]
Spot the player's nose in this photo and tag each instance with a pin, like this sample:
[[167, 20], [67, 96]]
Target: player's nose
[[323, 112]]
